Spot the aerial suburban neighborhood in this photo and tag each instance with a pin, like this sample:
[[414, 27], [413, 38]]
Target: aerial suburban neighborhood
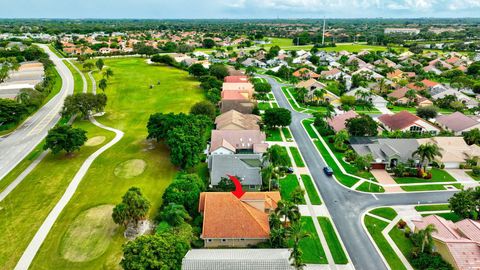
[[240, 136]]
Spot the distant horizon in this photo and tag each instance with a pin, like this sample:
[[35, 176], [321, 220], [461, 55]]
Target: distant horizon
[[236, 19], [239, 9]]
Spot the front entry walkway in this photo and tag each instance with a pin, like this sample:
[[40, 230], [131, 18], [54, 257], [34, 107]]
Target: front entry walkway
[[384, 178]]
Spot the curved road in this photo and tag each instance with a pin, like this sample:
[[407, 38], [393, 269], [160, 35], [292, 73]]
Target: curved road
[[347, 206], [17, 145]]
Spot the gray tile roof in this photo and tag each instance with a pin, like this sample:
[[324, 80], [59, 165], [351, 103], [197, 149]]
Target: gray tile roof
[[384, 149], [244, 166], [237, 259]]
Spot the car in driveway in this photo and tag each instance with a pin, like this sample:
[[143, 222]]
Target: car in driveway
[[328, 171]]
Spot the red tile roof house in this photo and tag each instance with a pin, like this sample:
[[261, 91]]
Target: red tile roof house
[[458, 243], [457, 122], [232, 222], [305, 73], [337, 123], [236, 79], [405, 121]]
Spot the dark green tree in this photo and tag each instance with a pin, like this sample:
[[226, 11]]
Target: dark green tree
[[133, 208], [277, 117], [204, 108], [65, 138]]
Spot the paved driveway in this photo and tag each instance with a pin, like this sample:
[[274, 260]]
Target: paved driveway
[[383, 177]]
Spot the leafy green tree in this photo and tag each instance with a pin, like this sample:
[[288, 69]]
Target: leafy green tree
[[275, 117], [288, 211], [11, 112], [214, 95], [208, 43], [197, 70], [102, 84], [161, 251], [427, 112], [133, 208], [347, 100], [297, 196], [100, 64], [277, 156], [183, 191], [362, 125], [427, 153], [83, 104], [88, 66], [339, 140], [262, 87], [472, 136], [466, 203], [204, 108], [164, 59], [174, 214], [209, 82], [219, 71], [65, 138]]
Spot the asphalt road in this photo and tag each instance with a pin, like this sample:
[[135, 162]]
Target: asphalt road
[[17, 145], [347, 206]]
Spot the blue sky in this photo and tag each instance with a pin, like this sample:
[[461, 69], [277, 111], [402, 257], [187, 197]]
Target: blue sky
[[193, 9]]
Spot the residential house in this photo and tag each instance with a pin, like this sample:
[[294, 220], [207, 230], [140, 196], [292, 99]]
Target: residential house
[[232, 222], [241, 87], [305, 73], [386, 153], [457, 122], [252, 62], [376, 100], [406, 121], [368, 73], [237, 259], [338, 122], [226, 142], [233, 120], [247, 167], [236, 79], [399, 96], [332, 74], [237, 102], [454, 150], [468, 101], [458, 243], [311, 85]]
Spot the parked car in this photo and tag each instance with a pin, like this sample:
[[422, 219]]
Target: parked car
[[290, 170], [328, 171]]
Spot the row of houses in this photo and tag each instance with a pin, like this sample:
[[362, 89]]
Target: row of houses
[[236, 149]]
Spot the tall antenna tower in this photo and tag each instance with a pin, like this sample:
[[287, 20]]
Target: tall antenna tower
[[323, 34]]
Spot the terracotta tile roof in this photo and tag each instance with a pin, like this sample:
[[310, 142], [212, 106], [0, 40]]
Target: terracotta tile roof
[[394, 74], [226, 216], [333, 71], [236, 120], [399, 93], [234, 95], [429, 83], [308, 74], [399, 120], [236, 79], [470, 228]]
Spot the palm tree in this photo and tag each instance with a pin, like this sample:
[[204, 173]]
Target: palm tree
[[319, 94], [364, 95], [278, 237], [108, 73], [340, 138], [288, 211], [102, 84], [411, 95], [302, 93], [427, 152], [382, 89], [296, 234], [329, 113], [426, 236]]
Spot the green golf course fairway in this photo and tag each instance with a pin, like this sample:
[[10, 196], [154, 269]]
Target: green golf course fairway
[[130, 103]]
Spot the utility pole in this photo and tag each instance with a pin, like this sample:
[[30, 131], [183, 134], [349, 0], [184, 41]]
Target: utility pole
[[323, 33]]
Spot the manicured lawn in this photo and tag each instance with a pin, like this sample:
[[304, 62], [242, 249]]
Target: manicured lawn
[[375, 228], [286, 133], [401, 241], [450, 216], [385, 212], [263, 106], [311, 190], [332, 240], [130, 103], [55, 51], [296, 156], [287, 186], [290, 99], [423, 188], [283, 152], [273, 135], [432, 207], [370, 187], [438, 175], [312, 248], [274, 105], [361, 109], [78, 82], [26, 207]]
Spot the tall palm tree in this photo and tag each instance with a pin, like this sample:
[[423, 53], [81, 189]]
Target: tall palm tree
[[329, 113], [296, 234], [427, 153], [102, 84], [411, 95], [319, 94], [382, 89], [426, 236], [108, 73], [302, 93], [288, 211]]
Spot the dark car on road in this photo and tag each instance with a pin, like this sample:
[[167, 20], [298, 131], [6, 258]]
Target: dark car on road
[[328, 171]]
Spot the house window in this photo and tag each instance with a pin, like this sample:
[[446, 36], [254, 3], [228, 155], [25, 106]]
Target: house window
[[224, 240], [252, 186], [209, 240], [416, 129]]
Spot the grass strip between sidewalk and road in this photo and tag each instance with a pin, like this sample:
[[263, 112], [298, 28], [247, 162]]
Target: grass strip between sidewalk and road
[[311, 190], [333, 242]]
